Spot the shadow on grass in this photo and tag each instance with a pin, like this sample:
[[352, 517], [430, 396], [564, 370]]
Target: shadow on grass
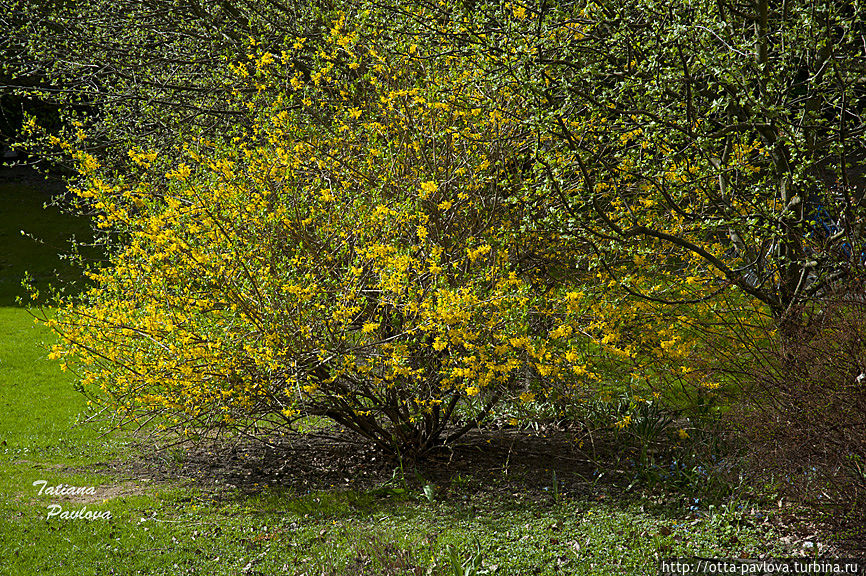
[[516, 468], [35, 235]]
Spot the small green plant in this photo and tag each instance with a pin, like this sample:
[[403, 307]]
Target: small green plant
[[472, 565], [631, 418], [727, 520], [648, 423], [177, 454], [462, 483], [395, 486]]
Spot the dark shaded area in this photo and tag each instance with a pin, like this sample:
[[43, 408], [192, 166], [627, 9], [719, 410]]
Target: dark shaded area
[[35, 235], [487, 468], [506, 460]]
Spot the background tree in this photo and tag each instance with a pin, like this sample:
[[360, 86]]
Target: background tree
[[142, 71], [717, 138], [728, 134]]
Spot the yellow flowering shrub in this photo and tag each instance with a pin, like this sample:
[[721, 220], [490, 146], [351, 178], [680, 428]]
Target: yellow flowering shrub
[[351, 255]]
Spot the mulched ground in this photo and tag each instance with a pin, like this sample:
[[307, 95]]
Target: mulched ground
[[507, 459]]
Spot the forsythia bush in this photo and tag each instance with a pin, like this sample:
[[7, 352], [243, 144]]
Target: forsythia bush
[[351, 255]]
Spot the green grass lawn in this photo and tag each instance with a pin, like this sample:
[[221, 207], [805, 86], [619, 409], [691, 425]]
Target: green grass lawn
[[178, 525]]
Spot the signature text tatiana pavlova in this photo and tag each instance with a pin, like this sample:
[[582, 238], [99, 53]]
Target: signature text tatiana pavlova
[[66, 490]]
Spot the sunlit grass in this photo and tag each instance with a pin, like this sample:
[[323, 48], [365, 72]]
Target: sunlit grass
[[41, 408]]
